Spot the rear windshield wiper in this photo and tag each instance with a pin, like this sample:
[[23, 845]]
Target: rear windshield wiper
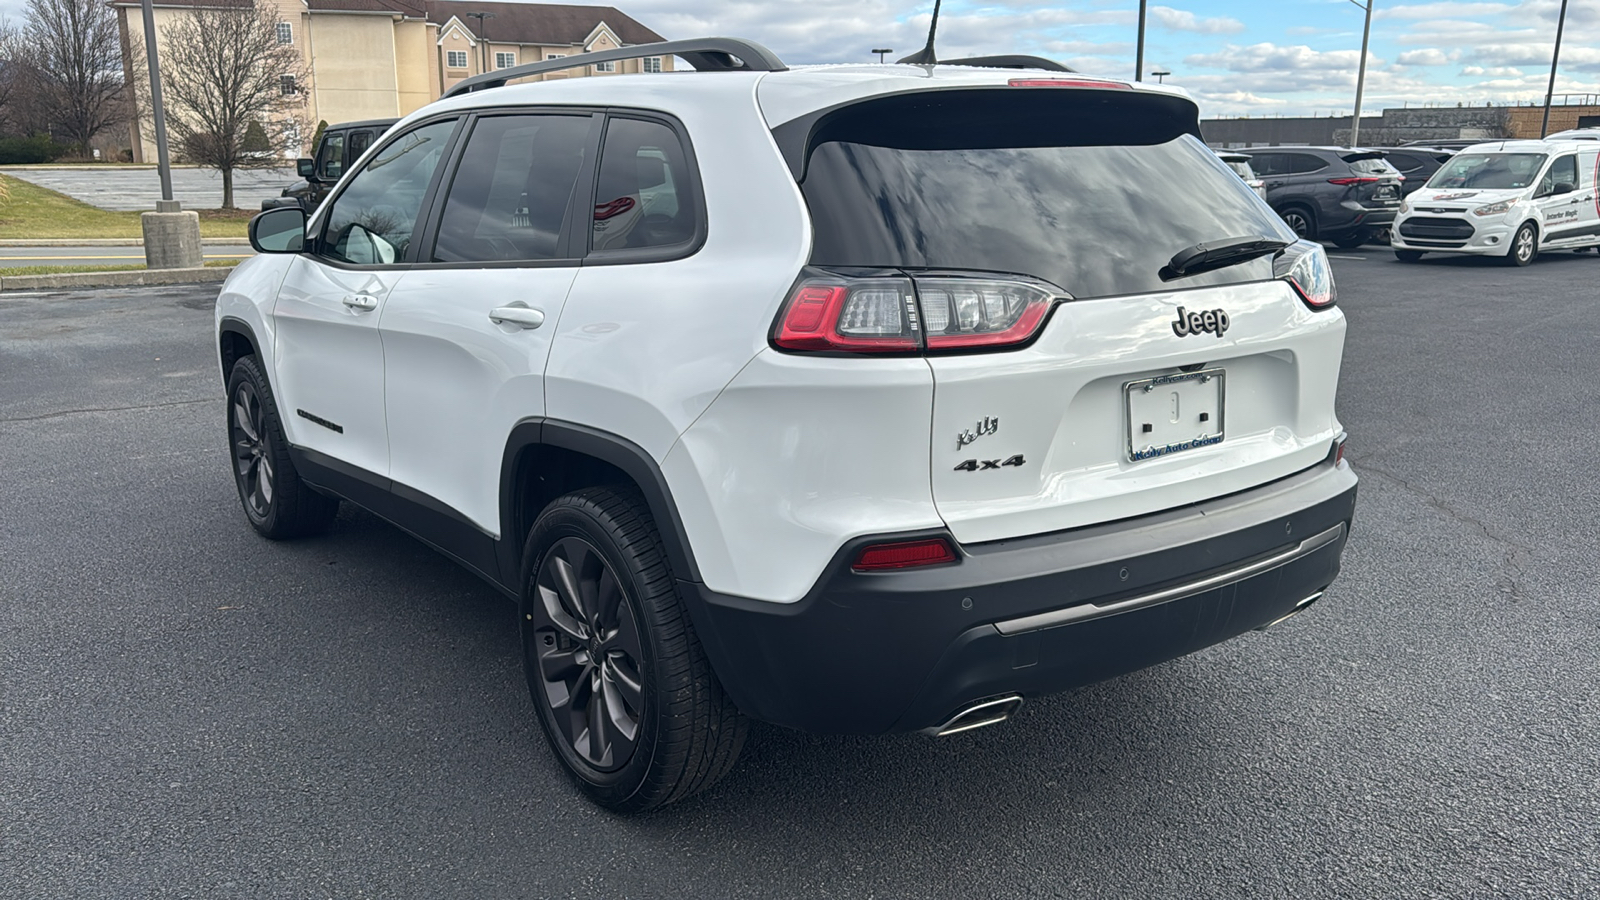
[[1210, 255]]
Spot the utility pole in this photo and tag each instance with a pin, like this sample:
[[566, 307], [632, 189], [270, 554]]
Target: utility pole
[[171, 236], [1555, 58], [1138, 62], [483, 35], [1361, 76], [163, 164], [882, 52]]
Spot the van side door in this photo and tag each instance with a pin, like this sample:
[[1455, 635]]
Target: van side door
[[1562, 201]]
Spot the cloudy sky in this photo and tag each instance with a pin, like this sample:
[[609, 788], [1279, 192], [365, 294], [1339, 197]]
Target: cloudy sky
[[1261, 57]]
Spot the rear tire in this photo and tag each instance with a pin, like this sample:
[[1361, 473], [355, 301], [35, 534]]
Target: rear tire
[[1408, 256], [1302, 221], [276, 502], [624, 692], [1351, 242], [1524, 247]]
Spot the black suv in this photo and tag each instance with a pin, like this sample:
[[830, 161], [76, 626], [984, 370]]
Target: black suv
[[340, 147], [1330, 193], [1417, 164]]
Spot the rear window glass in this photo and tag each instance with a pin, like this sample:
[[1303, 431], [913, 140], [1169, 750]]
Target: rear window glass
[[1489, 171], [1372, 167], [1094, 220]]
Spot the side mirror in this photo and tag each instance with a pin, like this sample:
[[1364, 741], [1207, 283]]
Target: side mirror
[[306, 168], [1564, 187], [281, 230]]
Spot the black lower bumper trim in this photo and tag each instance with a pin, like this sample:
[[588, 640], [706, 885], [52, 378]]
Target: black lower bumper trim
[[902, 651]]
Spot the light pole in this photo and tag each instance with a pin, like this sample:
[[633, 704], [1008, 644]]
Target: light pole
[[1138, 62], [483, 35], [1544, 127], [163, 164], [1361, 75], [1161, 75], [882, 52]]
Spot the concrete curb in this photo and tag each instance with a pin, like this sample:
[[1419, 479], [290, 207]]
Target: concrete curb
[[112, 242], [136, 278]]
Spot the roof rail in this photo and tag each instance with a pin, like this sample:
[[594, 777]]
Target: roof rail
[[704, 54], [1008, 61]]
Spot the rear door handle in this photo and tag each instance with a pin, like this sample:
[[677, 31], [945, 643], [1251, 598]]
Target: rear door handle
[[519, 316], [361, 302]]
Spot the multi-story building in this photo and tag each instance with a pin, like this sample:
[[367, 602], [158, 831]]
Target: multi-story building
[[376, 59]]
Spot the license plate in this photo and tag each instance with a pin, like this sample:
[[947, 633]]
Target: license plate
[[1174, 413], [1385, 193]]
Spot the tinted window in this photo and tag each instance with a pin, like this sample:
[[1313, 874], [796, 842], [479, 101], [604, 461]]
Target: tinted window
[[1243, 170], [330, 165], [1095, 220], [1405, 162], [1372, 167], [359, 142], [1267, 163], [1301, 163], [513, 191], [1488, 171], [1563, 171], [642, 199], [370, 223]]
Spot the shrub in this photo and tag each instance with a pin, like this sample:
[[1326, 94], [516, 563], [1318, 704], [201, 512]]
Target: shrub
[[37, 149]]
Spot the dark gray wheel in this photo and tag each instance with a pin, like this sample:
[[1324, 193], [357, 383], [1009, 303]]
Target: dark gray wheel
[[624, 692], [276, 502], [1302, 221], [1524, 247], [1408, 256]]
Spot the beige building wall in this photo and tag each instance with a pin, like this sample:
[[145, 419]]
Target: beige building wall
[[353, 67], [414, 56]]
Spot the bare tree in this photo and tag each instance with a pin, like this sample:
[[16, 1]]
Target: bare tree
[[222, 71], [75, 66], [10, 73]]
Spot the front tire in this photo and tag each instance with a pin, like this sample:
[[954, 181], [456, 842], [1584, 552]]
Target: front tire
[[1524, 247], [276, 502], [624, 692], [1408, 256]]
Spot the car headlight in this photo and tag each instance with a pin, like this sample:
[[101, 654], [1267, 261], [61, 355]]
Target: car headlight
[[1405, 207], [1494, 209]]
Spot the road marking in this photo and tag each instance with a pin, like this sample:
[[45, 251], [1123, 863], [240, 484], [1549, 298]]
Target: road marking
[[1363, 258]]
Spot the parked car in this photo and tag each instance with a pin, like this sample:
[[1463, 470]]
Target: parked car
[[846, 398], [1510, 199], [1576, 134], [338, 150], [1417, 164], [1330, 193], [1457, 144], [1240, 164]]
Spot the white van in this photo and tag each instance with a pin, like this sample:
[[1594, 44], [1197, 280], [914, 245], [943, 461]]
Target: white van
[[1511, 199]]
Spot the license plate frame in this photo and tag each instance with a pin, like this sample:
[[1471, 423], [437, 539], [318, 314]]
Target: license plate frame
[[1191, 394]]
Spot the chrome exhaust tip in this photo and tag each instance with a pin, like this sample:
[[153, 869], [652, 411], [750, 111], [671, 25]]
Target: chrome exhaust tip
[[1298, 609], [977, 715]]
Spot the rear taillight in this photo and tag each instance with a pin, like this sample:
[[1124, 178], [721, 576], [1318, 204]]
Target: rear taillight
[[1367, 179], [904, 555], [827, 312], [1305, 266]]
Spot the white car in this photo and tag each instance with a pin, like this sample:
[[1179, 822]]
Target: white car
[[858, 399], [1576, 134], [1508, 199]]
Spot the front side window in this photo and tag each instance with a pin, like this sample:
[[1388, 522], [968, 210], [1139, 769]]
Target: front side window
[[285, 33], [504, 60], [642, 200], [1563, 171], [330, 159], [513, 190], [455, 59], [370, 223], [1489, 171]]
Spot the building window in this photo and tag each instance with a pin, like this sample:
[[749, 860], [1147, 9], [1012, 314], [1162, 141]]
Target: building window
[[505, 60], [555, 56], [455, 59], [286, 85], [285, 33], [652, 64], [605, 67]]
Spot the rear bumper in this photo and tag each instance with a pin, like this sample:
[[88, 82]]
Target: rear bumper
[[901, 651]]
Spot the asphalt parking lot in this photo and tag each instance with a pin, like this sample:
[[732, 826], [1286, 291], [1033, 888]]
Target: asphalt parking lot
[[190, 711], [117, 187]]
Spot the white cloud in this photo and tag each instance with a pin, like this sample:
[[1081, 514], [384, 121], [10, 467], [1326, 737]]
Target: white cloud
[[1446, 10], [1427, 57], [1183, 20]]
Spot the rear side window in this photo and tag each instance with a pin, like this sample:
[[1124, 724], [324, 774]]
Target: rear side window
[[330, 164], [359, 142], [643, 198], [1405, 162], [1303, 163], [513, 190], [1096, 220]]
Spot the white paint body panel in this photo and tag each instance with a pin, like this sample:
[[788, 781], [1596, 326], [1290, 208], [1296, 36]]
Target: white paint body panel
[[798, 455], [457, 383], [1566, 221], [329, 361], [249, 294], [1061, 406]]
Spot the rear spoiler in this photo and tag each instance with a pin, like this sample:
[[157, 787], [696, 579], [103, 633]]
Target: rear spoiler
[[1354, 155]]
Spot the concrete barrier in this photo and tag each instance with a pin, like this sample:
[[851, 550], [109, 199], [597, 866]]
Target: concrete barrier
[[136, 278]]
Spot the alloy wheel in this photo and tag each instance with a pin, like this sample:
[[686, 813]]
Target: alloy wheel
[[1297, 223], [1524, 248], [588, 654], [252, 463]]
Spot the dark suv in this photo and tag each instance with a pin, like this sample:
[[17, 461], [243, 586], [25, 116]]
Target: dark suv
[[341, 145], [1330, 193], [1417, 164]]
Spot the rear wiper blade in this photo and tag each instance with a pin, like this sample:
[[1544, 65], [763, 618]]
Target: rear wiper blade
[[1210, 255]]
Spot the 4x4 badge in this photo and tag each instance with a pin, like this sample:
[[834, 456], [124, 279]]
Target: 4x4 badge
[[1214, 320]]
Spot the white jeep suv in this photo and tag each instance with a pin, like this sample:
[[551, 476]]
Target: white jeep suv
[[855, 399]]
